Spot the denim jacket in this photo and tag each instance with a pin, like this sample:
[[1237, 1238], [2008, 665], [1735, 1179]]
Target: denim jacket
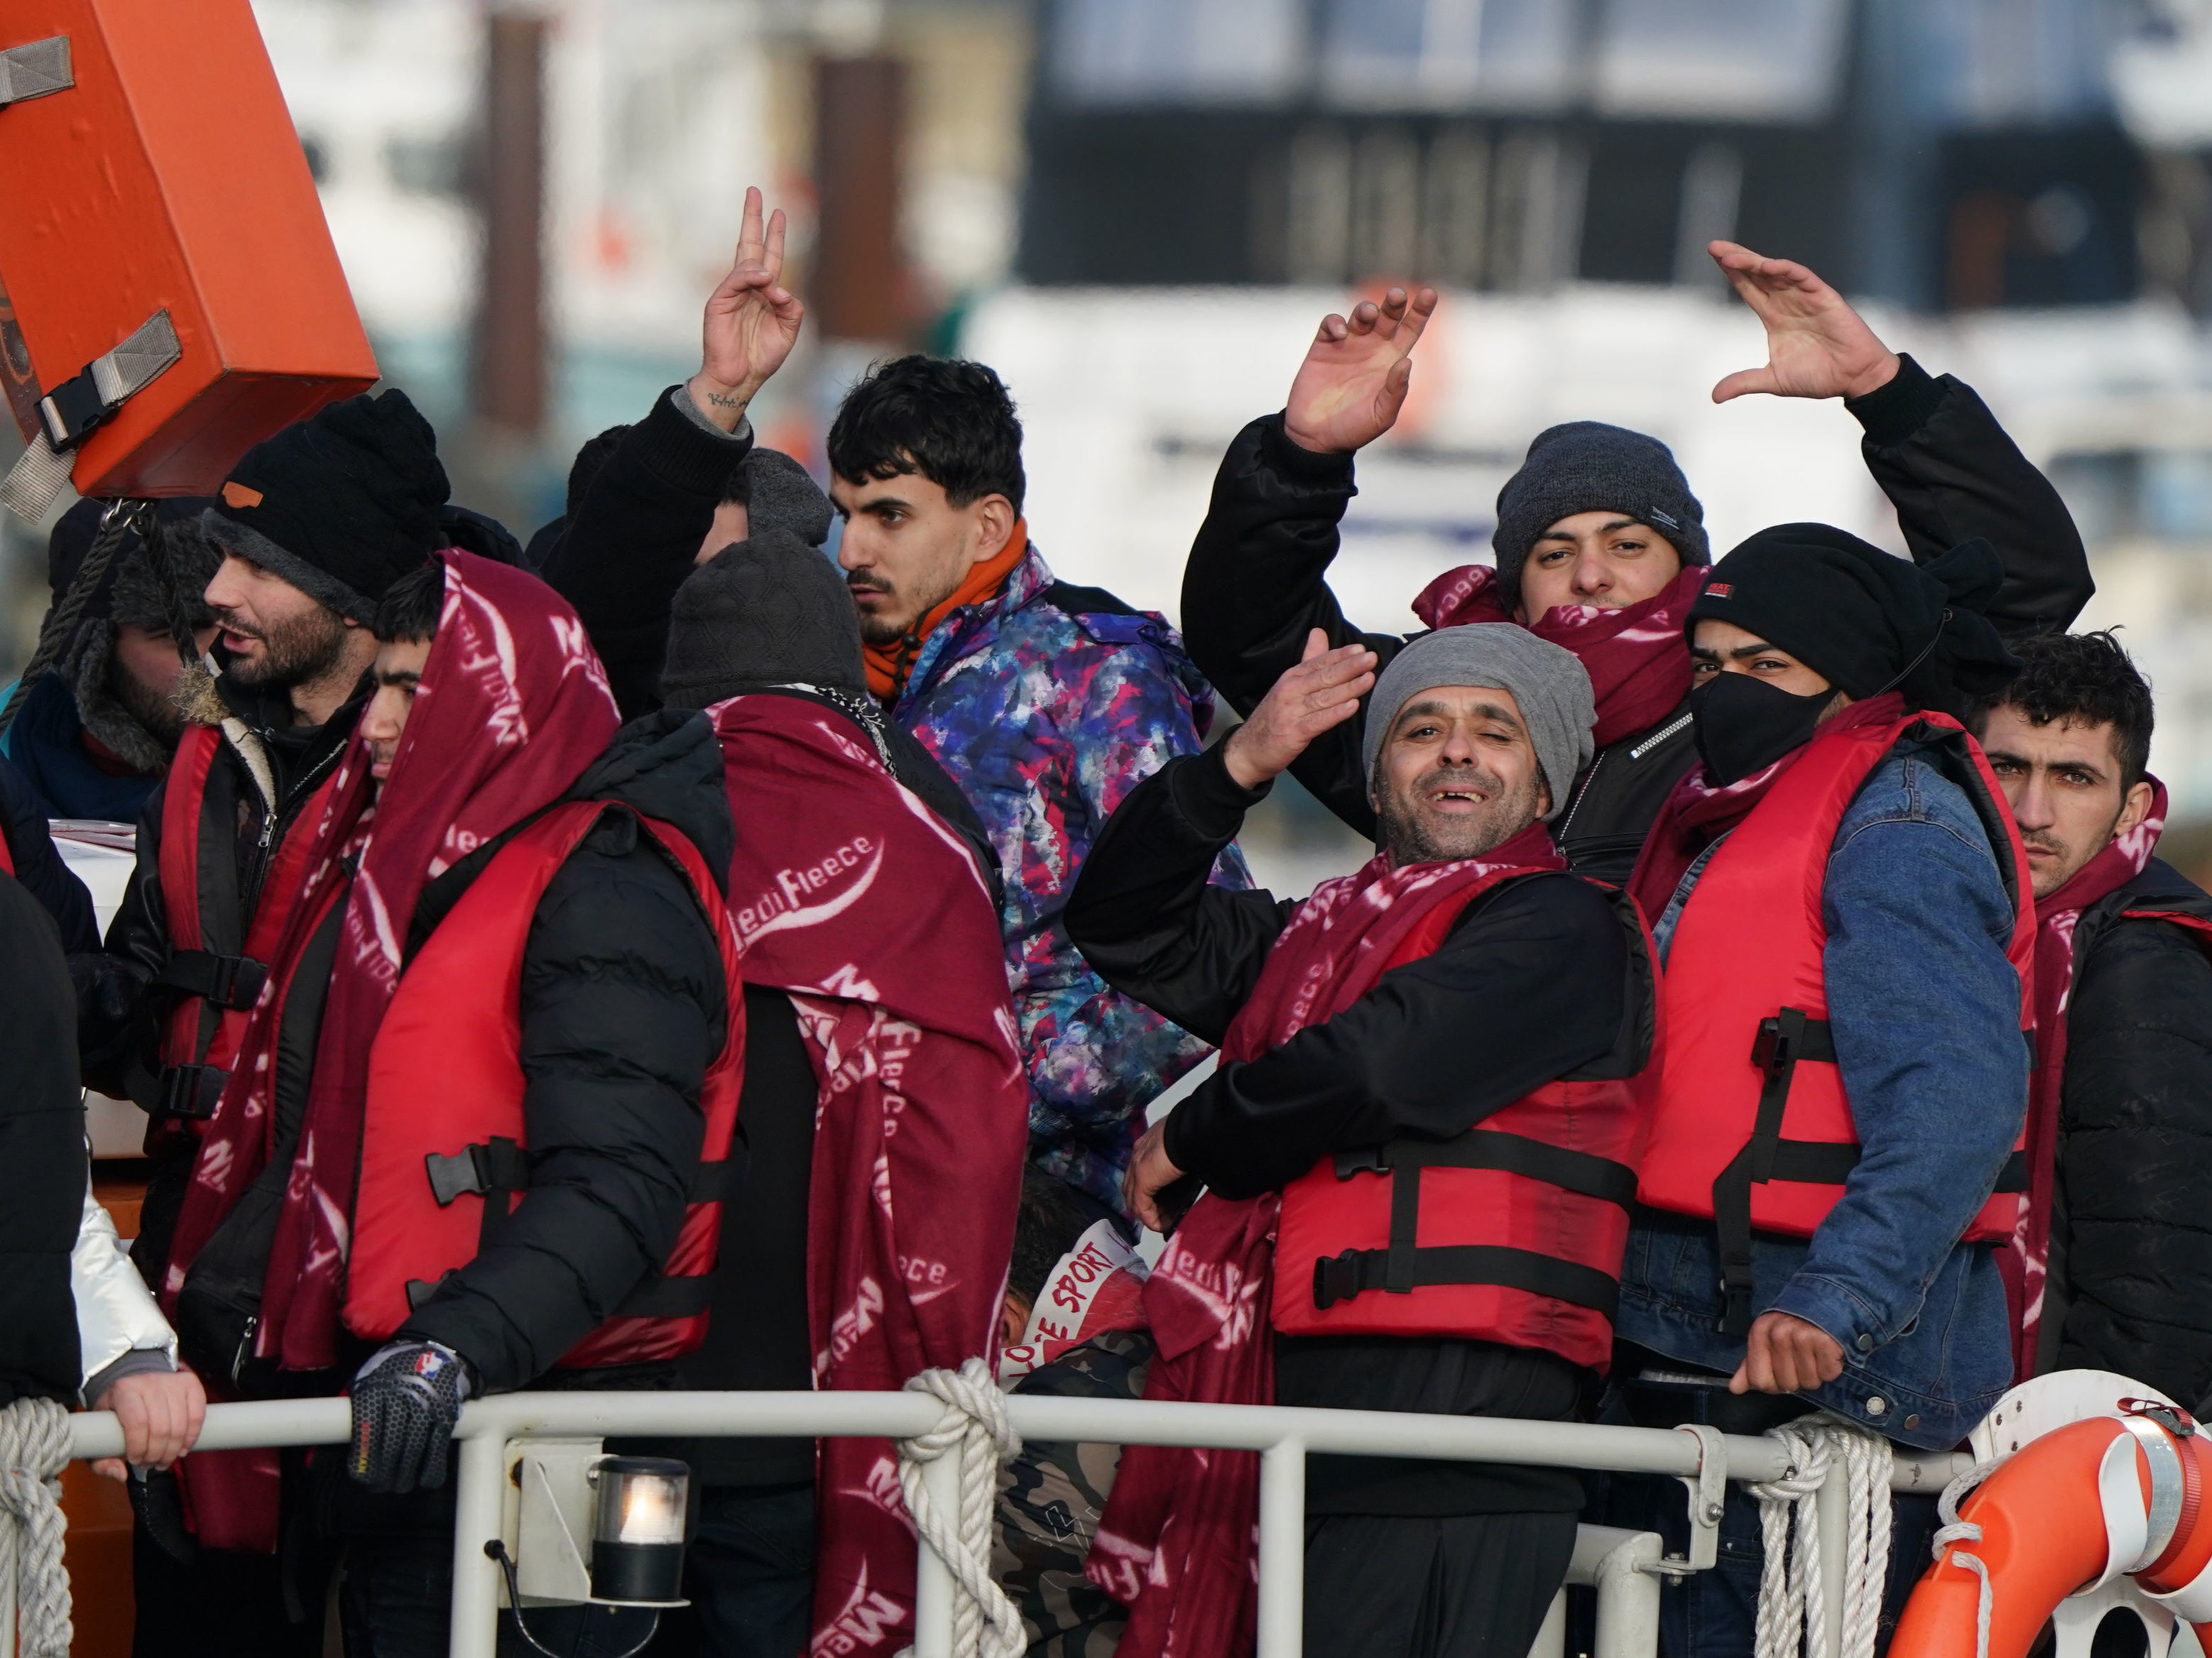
[[1925, 1013]]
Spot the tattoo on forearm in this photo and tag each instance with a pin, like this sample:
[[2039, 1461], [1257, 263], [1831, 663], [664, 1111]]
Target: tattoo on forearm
[[722, 402]]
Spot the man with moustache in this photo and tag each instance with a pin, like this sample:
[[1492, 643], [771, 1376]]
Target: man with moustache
[[315, 524], [478, 1137], [2113, 1268], [1462, 1015], [1045, 701], [1600, 545]]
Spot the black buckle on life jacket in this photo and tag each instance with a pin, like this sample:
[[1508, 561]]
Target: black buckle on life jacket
[[190, 1092], [495, 1169], [1338, 1278], [1782, 1042], [227, 981]]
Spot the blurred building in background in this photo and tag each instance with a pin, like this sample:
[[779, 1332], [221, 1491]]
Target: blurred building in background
[[1137, 210]]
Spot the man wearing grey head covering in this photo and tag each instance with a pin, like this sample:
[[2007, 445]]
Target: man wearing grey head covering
[[1550, 686], [1523, 979]]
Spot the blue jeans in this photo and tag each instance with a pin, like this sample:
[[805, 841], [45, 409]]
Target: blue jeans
[[749, 1575]]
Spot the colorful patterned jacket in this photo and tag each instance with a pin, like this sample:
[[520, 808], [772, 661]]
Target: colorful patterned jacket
[[1047, 703]]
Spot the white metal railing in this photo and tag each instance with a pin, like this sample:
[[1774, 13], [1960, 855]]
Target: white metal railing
[[1625, 1566]]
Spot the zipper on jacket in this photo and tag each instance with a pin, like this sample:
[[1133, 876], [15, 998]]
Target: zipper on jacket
[[1658, 737], [281, 817], [1580, 795]]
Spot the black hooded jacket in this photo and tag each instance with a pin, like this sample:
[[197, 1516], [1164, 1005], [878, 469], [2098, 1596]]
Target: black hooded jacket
[[2129, 1287], [624, 1006], [1257, 581]]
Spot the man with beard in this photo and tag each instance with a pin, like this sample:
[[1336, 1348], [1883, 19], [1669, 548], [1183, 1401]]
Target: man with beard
[[477, 1140], [1046, 701], [1599, 544], [2113, 1269], [95, 735], [1463, 1016], [315, 524], [1843, 912]]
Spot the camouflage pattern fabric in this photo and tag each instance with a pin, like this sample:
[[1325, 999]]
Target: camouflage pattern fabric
[[1046, 720], [1049, 1500]]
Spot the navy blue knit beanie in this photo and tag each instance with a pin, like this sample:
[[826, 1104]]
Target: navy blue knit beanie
[[1587, 466]]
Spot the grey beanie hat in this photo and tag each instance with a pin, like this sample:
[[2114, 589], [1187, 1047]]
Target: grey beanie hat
[[766, 611], [781, 495], [1587, 466], [1550, 684]]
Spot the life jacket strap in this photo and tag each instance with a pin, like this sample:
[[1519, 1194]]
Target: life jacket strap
[[190, 1092], [1790, 1037], [1405, 1265], [1340, 1278], [227, 981], [495, 1169]]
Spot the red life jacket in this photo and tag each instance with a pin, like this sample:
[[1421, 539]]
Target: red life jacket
[[1511, 1232], [1754, 1130], [219, 974], [442, 1147]]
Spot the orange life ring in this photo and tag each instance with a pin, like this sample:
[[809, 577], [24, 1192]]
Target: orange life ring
[[2077, 1508]]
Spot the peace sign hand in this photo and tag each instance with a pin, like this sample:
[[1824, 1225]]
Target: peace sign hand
[[751, 321]]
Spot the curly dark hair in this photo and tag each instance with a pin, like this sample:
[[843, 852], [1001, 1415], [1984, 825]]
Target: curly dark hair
[[948, 419], [2084, 678]]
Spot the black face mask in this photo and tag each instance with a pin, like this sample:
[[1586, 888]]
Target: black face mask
[[1746, 724]]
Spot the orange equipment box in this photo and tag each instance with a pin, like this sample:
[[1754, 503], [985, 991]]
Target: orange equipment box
[[153, 172]]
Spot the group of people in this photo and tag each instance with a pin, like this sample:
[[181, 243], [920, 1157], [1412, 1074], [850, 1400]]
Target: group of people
[[669, 954]]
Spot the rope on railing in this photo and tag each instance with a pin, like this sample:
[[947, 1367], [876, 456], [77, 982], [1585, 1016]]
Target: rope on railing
[[1954, 1531], [34, 1445], [986, 1624], [1792, 1600]]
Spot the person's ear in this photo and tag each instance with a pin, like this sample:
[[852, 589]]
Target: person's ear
[[1543, 797], [1013, 1318], [995, 519], [2133, 810]]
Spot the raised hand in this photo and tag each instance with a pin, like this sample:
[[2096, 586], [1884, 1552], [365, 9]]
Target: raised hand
[[1816, 345], [751, 321], [1323, 690], [1353, 382]]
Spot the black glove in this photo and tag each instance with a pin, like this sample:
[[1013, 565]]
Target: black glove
[[405, 1402]]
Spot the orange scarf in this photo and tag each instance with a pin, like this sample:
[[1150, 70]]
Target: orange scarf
[[889, 664]]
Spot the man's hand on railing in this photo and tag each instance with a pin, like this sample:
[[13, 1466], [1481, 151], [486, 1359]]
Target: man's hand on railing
[[406, 1402], [160, 1413]]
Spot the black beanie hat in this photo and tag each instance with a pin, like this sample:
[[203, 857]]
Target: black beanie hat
[[766, 611], [781, 495], [1864, 621], [340, 504], [1587, 466]]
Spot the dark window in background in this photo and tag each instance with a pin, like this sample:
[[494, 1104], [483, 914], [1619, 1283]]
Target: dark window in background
[[1510, 145]]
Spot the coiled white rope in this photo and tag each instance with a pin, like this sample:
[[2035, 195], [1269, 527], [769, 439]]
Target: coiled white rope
[[986, 1624], [1791, 1594], [1954, 1531], [1792, 1598], [34, 1445]]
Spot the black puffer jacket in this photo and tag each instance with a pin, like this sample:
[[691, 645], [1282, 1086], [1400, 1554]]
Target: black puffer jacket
[[38, 864], [1257, 581], [624, 1006], [41, 1155], [2130, 1276]]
